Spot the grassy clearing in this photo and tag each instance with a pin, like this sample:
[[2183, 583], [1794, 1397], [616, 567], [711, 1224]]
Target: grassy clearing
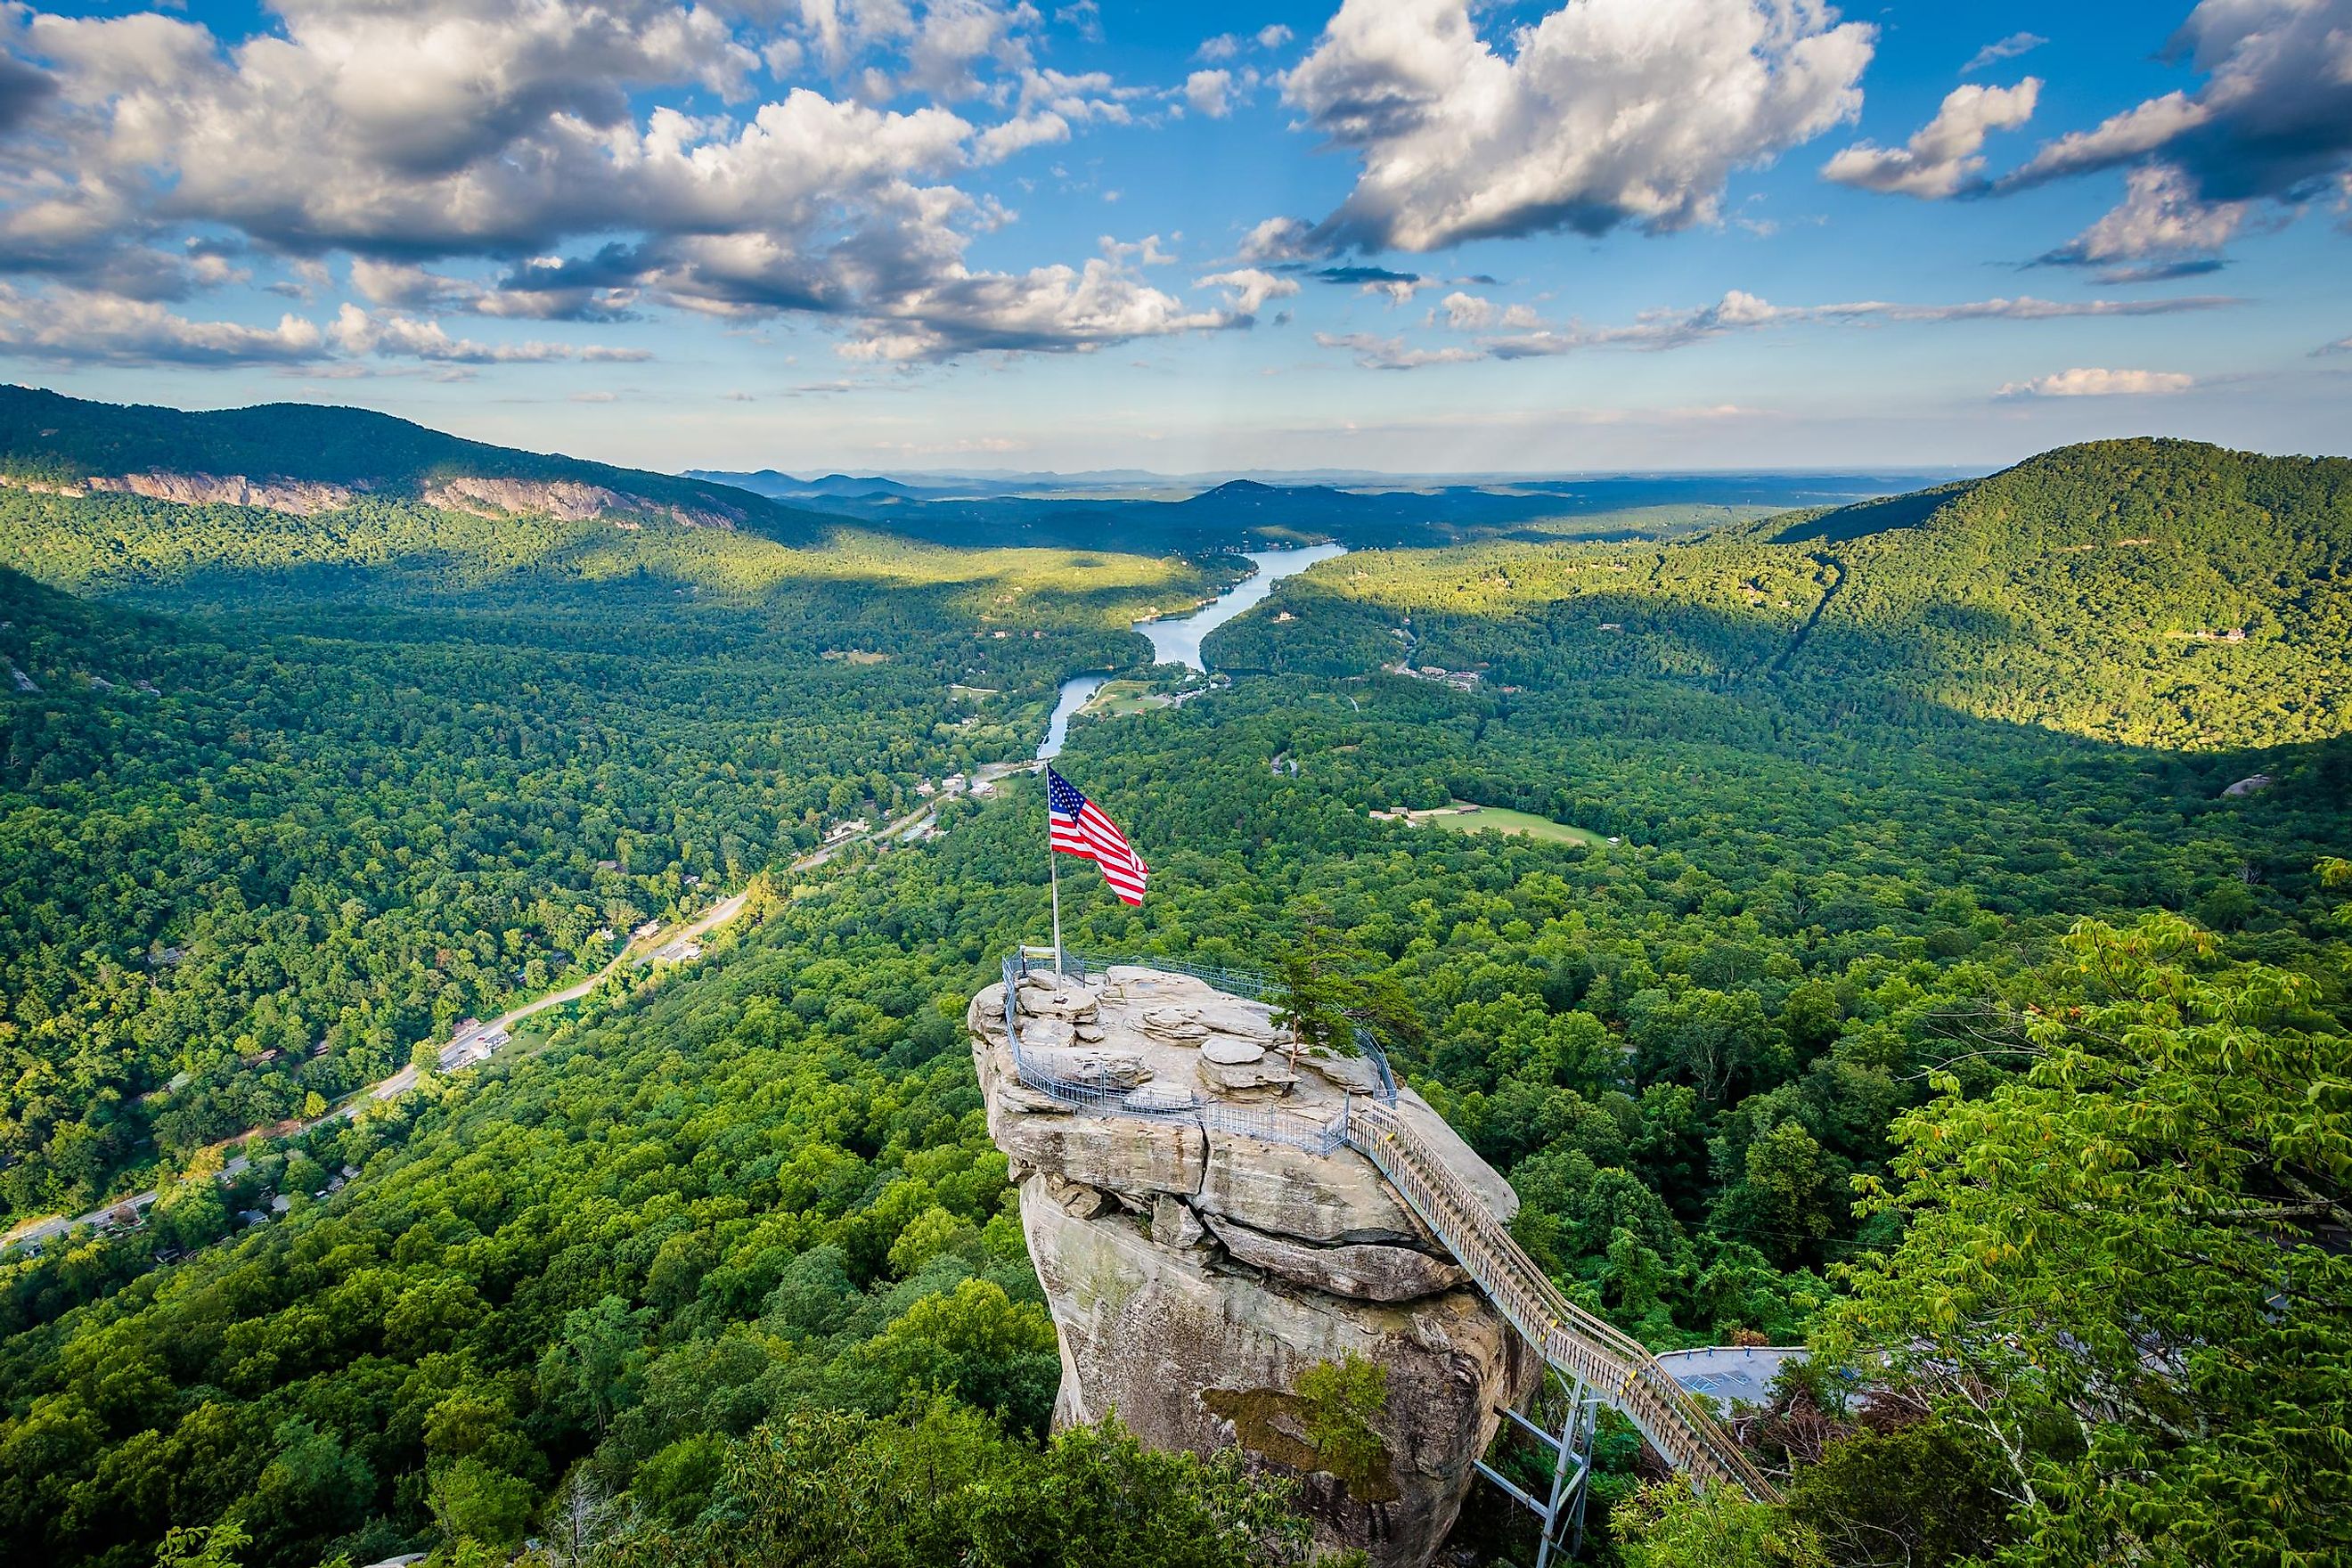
[[1502, 819]]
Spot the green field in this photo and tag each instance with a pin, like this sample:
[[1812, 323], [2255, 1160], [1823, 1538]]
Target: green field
[[1502, 819], [1119, 699]]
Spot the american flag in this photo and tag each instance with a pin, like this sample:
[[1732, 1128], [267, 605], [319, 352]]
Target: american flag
[[1080, 828]]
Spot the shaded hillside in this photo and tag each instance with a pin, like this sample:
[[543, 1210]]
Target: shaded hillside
[[2162, 592], [2166, 592], [304, 459]]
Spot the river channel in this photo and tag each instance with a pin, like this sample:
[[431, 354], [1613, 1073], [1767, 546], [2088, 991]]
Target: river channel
[[1176, 639]]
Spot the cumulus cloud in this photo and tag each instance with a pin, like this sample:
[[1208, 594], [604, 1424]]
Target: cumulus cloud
[[1279, 239], [2000, 50], [1210, 92], [2090, 383], [1945, 157], [1602, 113], [2272, 123], [2160, 215], [421, 138], [1230, 46], [72, 325], [1252, 287]]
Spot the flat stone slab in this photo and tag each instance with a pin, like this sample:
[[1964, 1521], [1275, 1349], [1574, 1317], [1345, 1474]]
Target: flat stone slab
[[1226, 1051], [1160, 1095], [1090, 1064], [1266, 1073]]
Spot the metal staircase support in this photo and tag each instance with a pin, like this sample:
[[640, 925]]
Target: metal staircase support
[[1571, 1470], [1618, 1368]]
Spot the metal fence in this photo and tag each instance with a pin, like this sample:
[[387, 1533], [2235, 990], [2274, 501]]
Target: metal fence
[[1234, 982], [1098, 1096], [1617, 1367]]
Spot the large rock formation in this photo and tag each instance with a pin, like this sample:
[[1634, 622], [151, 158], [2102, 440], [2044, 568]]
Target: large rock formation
[[1197, 1274]]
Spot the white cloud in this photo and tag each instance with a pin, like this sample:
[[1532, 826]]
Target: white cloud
[[2273, 123], [69, 324], [1252, 287], [1515, 334], [2160, 215], [1229, 46], [1603, 113], [1374, 353], [1946, 155], [1210, 92], [1278, 239], [1472, 314], [1019, 134], [2089, 382], [449, 130], [392, 335], [1739, 310], [2000, 50], [2117, 139]]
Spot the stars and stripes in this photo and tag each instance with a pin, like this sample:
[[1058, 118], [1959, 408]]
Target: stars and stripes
[[1080, 828]]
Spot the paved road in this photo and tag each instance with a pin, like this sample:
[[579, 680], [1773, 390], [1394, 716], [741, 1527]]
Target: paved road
[[455, 1053]]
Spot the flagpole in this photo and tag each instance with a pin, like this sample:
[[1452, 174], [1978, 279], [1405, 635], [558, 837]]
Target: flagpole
[[1054, 877]]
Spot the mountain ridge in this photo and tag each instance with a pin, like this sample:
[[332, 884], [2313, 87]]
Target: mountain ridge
[[306, 459]]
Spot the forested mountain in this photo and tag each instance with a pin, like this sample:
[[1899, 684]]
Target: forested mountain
[[1929, 886], [251, 863], [2159, 592], [305, 458]]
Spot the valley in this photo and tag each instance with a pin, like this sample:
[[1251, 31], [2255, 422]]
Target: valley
[[1801, 838]]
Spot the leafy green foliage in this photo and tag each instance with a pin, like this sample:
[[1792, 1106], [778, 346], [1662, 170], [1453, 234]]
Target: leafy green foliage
[[725, 1270]]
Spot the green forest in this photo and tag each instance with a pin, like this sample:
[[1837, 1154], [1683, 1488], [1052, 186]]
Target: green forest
[[1945, 999]]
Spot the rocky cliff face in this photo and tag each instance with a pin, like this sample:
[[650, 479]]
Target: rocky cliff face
[[568, 500], [1196, 1276]]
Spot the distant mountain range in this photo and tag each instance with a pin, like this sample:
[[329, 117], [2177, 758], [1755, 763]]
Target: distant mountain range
[[304, 459], [1132, 511]]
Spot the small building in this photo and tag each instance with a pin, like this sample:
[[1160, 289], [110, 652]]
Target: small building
[[650, 928]]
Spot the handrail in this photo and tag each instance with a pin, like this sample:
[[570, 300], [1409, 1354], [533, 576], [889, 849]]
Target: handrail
[[1617, 1367], [1614, 1364], [1242, 983]]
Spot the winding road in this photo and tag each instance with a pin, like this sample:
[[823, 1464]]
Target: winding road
[[636, 953]]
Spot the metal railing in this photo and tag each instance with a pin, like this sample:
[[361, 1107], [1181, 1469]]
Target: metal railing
[[1100, 1097], [1238, 983], [1618, 1369], [1614, 1364]]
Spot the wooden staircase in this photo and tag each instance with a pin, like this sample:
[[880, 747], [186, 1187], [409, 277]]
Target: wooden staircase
[[1615, 1366]]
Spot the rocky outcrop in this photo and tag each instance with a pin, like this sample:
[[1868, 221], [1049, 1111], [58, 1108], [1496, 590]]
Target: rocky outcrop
[[1197, 1274], [301, 497], [567, 500]]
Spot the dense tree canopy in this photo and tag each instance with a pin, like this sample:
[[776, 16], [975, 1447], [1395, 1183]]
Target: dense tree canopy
[[728, 1249]]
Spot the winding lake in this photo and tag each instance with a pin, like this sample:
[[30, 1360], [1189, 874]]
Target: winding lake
[[1176, 639]]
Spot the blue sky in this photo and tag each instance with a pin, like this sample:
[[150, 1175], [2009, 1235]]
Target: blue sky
[[1405, 235]]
